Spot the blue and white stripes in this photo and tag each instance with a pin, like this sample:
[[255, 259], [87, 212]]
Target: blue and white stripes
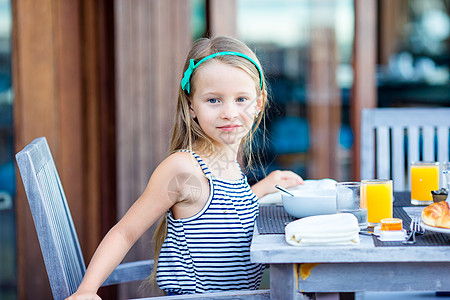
[[210, 251]]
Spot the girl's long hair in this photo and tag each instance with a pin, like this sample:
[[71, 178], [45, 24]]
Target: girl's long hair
[[187, 133]]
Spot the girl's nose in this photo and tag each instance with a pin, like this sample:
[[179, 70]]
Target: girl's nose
[[229, 111]]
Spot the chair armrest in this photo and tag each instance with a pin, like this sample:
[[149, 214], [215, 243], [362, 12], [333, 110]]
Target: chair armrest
[[131, 271]]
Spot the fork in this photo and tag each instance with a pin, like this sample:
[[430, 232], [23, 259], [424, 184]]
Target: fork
[[415, 228]]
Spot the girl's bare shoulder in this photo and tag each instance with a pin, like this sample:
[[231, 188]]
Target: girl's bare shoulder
[[180, 162], [183, 174]]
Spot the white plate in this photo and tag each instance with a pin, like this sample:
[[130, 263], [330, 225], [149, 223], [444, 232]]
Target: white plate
[[435, 229]]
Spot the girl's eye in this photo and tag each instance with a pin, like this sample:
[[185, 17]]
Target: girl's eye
[[241, 99], [213, 100]]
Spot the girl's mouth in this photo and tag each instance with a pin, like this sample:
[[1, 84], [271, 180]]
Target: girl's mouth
[[229, 127]]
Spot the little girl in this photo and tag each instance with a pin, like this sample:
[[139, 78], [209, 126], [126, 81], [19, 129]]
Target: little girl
[[203, 241]]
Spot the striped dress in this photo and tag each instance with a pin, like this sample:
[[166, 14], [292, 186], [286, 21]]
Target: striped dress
[[210, 251]]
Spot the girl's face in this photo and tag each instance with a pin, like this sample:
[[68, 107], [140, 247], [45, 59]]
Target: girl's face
[[225, 102]]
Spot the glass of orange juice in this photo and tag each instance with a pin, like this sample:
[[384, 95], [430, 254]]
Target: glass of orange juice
[[379, 198], [424, 179]]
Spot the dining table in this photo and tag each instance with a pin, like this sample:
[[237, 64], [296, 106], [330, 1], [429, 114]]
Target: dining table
[[371, 265]]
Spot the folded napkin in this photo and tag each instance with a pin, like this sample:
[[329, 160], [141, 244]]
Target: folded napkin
[[335, 229], [320, 184]]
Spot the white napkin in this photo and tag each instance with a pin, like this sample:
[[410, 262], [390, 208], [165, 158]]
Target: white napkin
[[335, 229], [320, 184]]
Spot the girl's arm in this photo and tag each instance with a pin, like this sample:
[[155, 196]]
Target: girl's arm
[[267, 185], [152, 204]]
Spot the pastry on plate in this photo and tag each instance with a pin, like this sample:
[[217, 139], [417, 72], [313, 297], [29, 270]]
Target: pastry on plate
[[437, 215]]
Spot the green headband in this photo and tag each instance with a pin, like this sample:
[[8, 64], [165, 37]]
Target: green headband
[[185, 82]]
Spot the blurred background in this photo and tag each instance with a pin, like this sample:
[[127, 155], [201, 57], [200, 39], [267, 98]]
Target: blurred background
[[100, 78]]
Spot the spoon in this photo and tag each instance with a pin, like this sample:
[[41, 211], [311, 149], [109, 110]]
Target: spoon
[[284, 190]]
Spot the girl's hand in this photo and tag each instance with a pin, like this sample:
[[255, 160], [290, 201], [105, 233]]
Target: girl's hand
[[84, 296], [284, 178]]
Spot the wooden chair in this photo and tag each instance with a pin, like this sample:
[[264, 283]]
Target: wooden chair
[[54, 226], [391, 138], [59, 241]]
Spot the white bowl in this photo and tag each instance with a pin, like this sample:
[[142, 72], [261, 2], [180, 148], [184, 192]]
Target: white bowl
[[307, 203]]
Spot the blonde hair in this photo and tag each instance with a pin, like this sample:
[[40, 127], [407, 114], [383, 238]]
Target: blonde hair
[[187, 133]]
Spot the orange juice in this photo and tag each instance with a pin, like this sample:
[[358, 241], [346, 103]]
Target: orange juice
[[424, 179], [379, 196]]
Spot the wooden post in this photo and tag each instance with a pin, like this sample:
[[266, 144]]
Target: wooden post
[[47, 102], [60, 74], [152, 41], [221, 17], [394, 16], [324, 105], [364, 90]]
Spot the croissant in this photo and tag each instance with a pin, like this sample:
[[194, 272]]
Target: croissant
[[437, 215]]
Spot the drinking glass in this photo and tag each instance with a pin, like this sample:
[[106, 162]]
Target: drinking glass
[[379, 198], [445, 170], [424, 179], [350, 198]]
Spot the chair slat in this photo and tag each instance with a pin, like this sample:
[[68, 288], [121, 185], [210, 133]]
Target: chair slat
[[367, 146], [443, 143], [383, 154], [130, 271], [398, 158], [413, 149], [413, 144], [428, 134], [66, 254], [72, 261]]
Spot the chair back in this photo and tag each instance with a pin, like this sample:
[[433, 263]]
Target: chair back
[[52, 218], [392, 138]]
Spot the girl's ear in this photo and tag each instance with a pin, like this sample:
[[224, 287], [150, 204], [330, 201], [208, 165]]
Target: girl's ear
[[260, 101], [191, 111]]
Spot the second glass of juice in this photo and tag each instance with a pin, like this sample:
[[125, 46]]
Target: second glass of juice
[[424, 179], [379, 198]]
